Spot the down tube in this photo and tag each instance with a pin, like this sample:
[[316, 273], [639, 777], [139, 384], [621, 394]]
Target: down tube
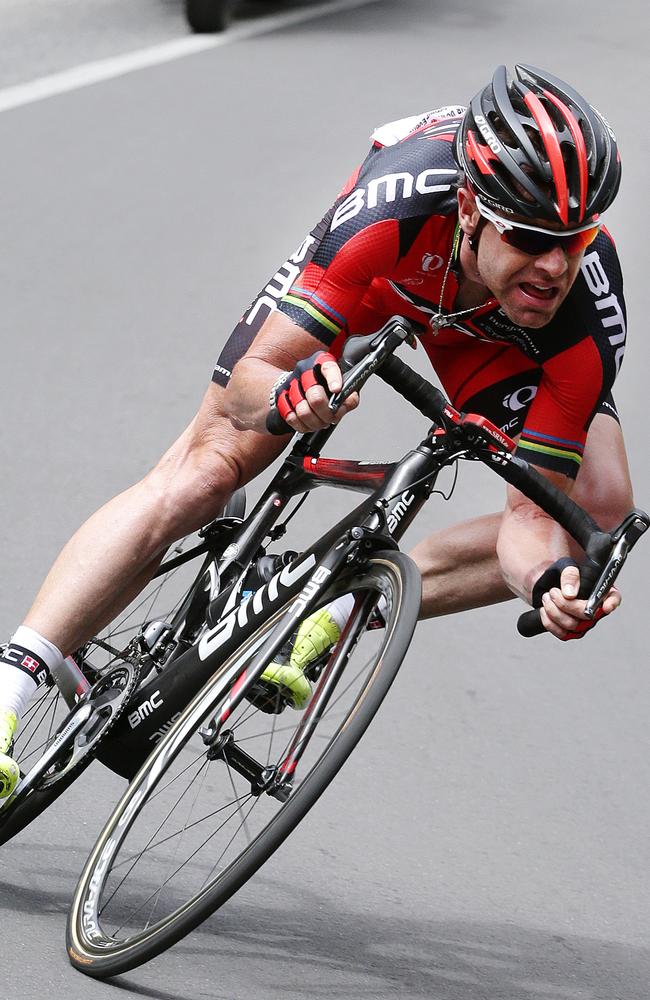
[[158, 703]]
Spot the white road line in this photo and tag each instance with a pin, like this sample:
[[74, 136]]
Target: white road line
[[107, 69]]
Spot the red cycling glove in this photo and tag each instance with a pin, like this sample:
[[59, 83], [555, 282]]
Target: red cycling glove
[[293, 388]]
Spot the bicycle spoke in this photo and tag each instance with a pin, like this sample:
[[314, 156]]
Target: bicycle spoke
[[197, 822], [173, 875], [202, 771], [145, 848]]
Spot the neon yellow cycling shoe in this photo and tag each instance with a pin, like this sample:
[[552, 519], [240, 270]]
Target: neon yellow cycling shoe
[[9, 770], [317, 633]]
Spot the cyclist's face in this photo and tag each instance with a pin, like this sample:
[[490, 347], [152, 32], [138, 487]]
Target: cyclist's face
[[530, 289]]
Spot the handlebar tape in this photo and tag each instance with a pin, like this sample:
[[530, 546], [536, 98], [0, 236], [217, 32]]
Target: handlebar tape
[[541, 491], [275, 424], [420, 393]]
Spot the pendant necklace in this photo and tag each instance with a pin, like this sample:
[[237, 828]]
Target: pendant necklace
[[440, 319]]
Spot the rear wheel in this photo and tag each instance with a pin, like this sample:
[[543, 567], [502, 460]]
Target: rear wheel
[[165, 600], [219, 794]]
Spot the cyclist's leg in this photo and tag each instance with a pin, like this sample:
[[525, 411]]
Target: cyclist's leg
[[459, 567], [114, 554]]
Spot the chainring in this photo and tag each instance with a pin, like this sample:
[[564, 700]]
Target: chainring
[[108, 697]]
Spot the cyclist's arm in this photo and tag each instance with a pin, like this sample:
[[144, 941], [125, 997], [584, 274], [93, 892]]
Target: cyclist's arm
[[528, 542], [278, 347], [312, 316]]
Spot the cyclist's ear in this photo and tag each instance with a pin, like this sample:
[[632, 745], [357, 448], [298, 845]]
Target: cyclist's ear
[[468, 213]]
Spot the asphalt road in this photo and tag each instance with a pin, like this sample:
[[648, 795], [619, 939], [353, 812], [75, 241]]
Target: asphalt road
[[488, 839]]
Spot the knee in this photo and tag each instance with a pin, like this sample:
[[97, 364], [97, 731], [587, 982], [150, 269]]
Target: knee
[[191, 485], [213, 475]]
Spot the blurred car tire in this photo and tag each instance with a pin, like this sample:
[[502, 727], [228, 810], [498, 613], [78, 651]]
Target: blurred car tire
[[207, 15]]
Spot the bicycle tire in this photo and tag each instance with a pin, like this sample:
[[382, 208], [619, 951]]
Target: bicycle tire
[[97, 952]]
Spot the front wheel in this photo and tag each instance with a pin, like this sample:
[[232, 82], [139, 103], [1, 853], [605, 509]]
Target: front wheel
[[207, 808]]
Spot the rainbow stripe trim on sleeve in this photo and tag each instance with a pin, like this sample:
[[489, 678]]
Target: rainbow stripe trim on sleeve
[[554, 447], [316, 308]]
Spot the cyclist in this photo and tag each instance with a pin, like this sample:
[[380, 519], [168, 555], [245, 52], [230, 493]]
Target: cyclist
[[482, 224]]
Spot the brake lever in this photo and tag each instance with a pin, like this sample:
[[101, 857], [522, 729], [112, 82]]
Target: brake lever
[[624, 538], [374, 352]]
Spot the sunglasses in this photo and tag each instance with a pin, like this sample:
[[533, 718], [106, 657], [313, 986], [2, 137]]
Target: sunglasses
[[535, 241]]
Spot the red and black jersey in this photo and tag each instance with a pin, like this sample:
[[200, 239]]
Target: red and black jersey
[[383, 248]]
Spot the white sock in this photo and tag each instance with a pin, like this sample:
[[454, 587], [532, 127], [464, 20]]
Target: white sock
[[17, 686], [340, 609]]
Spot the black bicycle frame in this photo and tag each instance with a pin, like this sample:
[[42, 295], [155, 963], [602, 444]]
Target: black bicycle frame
[[397, 493]]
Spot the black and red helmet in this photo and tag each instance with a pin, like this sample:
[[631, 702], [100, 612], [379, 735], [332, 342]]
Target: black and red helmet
[[531, 145]]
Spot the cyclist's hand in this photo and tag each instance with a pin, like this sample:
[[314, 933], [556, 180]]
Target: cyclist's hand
[[562, 611], [302, 396]]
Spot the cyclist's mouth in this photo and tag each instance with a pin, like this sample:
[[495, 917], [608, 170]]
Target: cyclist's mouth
[[539, 293]]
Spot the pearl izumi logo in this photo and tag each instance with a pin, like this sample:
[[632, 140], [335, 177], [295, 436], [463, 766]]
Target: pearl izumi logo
[[521, 398], [431, 262]]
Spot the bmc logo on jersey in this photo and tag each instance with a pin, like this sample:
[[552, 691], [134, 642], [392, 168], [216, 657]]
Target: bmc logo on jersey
[[607, 303], [388, 189]]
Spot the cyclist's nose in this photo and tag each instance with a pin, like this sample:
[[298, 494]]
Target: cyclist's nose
[[554, 262]]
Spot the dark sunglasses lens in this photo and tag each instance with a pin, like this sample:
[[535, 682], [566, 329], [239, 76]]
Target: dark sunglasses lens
[[531, 242]]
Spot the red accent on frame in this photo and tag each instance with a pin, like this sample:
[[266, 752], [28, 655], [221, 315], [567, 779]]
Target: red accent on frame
[[236, 688], [552, 146], [344, 471], [581, 149]]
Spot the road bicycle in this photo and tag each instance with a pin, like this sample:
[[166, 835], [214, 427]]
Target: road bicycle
[[221, 766]]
